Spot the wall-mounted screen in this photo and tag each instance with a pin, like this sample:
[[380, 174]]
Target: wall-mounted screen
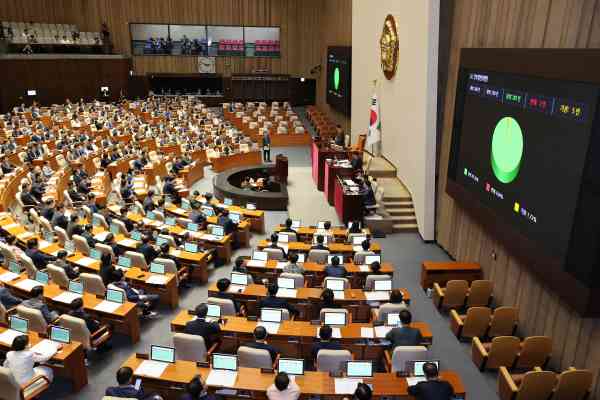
[[338, 78], [201, 40]]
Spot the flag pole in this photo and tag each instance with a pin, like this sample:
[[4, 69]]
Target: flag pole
[[374, 91]]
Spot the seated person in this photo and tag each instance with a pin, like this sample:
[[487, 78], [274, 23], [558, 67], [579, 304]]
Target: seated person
[[404, 335], [396, 297], [283, 388], [196, 215], [200, 327], [110, 240], [319, 246], [325, 343], [288, 226], [58, 218], [73, 227], [359, 256], [89, 235], [238, 266], [147, 302], [148, 203], [77, 311], [7, 299], [226, 222], [433, 388], [273, 244], [126, 193], [47, 210], [292, 266], [11, 242], [147, 249], [61, 262], [38, 302], [40, 260], [107, 269], [375, 268], [27, 197], [362, 392], [21, 361], [335, 269], [196, 390], [223, 287], [272, 301], [328, 299], [126, 389], [260, 342]]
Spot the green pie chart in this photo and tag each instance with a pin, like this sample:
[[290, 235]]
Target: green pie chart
[[336, 78], [507, 149]]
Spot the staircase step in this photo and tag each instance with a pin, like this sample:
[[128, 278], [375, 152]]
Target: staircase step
[[382, 174], [398, 204], [398, 219], [400, 211], [388, 198], [405, 228]]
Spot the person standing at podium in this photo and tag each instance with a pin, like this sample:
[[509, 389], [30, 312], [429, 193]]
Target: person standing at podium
[[266, 142]]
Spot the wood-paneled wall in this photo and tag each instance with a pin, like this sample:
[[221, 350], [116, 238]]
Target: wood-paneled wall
[[534, 24]]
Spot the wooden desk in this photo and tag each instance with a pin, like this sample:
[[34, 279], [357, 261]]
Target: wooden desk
[[192, 173], [306, 233], [345, 249], [172, 381], [68, 362], [223, 163], [255, 218], [319, 153], [348, 205], [331, 174], [443, 271]]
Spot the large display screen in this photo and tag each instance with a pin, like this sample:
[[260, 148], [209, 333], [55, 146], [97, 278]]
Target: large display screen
[[520, 146], [338, 78], [203, 40]]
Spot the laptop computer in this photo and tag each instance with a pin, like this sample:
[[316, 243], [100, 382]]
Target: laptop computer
[[286, 283], [260, 255], [162, 354], [239, 279], [359, 369], [116, 296], [271, 315], [291, 366], [157, 268], [18, 324], [335, 284], [60, 334], [382, 285], [225, 362], [334, 318]]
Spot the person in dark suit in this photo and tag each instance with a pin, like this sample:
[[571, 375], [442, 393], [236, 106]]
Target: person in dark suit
[[334, 269], [7, 167], [356, 162], [288, 227], [362, 392], [272, 301], [196, 390], [126, 389], [146, 302], [107, 270], [355, 227], [404, 335], [325, 343], [260, 342], [196, 215], [433, 388], [273, 244], [200, 327], [319, 246], [328, 300], [340, 138], [148, 201], [47, 210], [266, 143], [61, 262], [40, 260], [59, 219], [222, 287], [226, 222], [147, 249], [38, 302], [77, 311], [27, 197], [7, 299], [89, 236]]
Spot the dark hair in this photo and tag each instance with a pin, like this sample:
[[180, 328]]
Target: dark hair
[[282, 381], [118, 274], [320, 239], [288, 223], [124, 375], [335, 260], [327, 296], [325, 332], [194, 387], [260, 333], [37, 291], [106, 259], [293, 257], [272, 289], [375, 266], [273, 238], [109, 238], [32, 244], [201, 310], [223, 284], [77, 303], [146, 239], [430, 370], [396, 296], [405, 317], [239, 262], [20, 343], [366, 244], [61, 254], [327, 225], [363, 392]]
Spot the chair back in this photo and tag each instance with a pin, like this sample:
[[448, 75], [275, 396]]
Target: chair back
[[37, 323], [92, 283], [318, 256], [370, 280], [121, 225], [170, 240], [254, 358], [455, 293], [476, 322], [3, 314], [61, 235], [389, 308], [105, 249], [58, 275], [170, 267], [298, 278], [402, 354], [79, 331], [503, 321], [102, 220], [359, 257], [7, 253], [189, 347], [503, 351], [68, 202], [81, 244], [88, 212], [573, 384], [137, 259], [535, 352], [9, 387], [328, 278], [480, 293], [536, 385], [332, 360], [274, 254], [30, 268], [227, 305]]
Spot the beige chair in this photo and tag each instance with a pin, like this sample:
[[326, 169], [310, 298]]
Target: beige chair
[[380, 314], [170, 240], [81, 245], [359, 256], [504, 322], [67, 201], [332, 360], [80, 333], [58, 275], [255, 358], [480, 293], [100, 217], [298, 278], [370, 280], [11, 390], [318, 256], [27, 263], [329, 278], [324, 310], [396, 360], [105, 249], [502, 351], [92, 283], [3, 314], [474, 324], [533, 385], [171, 268], [573, 384], [7, 253], [61, 235], [191, 347], [274, 254], [137, 259], [88, 212], [37, 323], [227, 306], [121, 225], [535, 352], [45, 224], [452, 296]]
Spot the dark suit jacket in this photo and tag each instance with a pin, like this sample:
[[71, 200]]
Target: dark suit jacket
[[432, 390], [264, 346], [324, 346], [202, 328], [7, 299], [40, 260], [28, 199], [276, 302], [336, 271], [404, 336], [148, 251], [125, 391], [319, 247]]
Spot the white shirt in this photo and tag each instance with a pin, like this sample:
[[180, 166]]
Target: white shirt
[[21, 364], [292, 392]]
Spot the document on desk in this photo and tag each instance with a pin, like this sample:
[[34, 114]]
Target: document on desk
[[8, 336], [175, 253], [101, 236], [8, 276], [377, 296], [151, 368], [271, 327], [357, 248], [338, 294], [413, 380], [349, 182], [107, 306], [364, 268], [66, 297], [24, 236], [42, 244], [346, 385], [46, 348], [156, 279], [236, 288], [208, 236], [367, 333], [281, 264], [127, 243], [221, 378], [381, 331], [27, 284], [256, 263], [290, 293], [86, 261]]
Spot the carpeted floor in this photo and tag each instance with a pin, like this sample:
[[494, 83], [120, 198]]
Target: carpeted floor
[[405, 251]]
